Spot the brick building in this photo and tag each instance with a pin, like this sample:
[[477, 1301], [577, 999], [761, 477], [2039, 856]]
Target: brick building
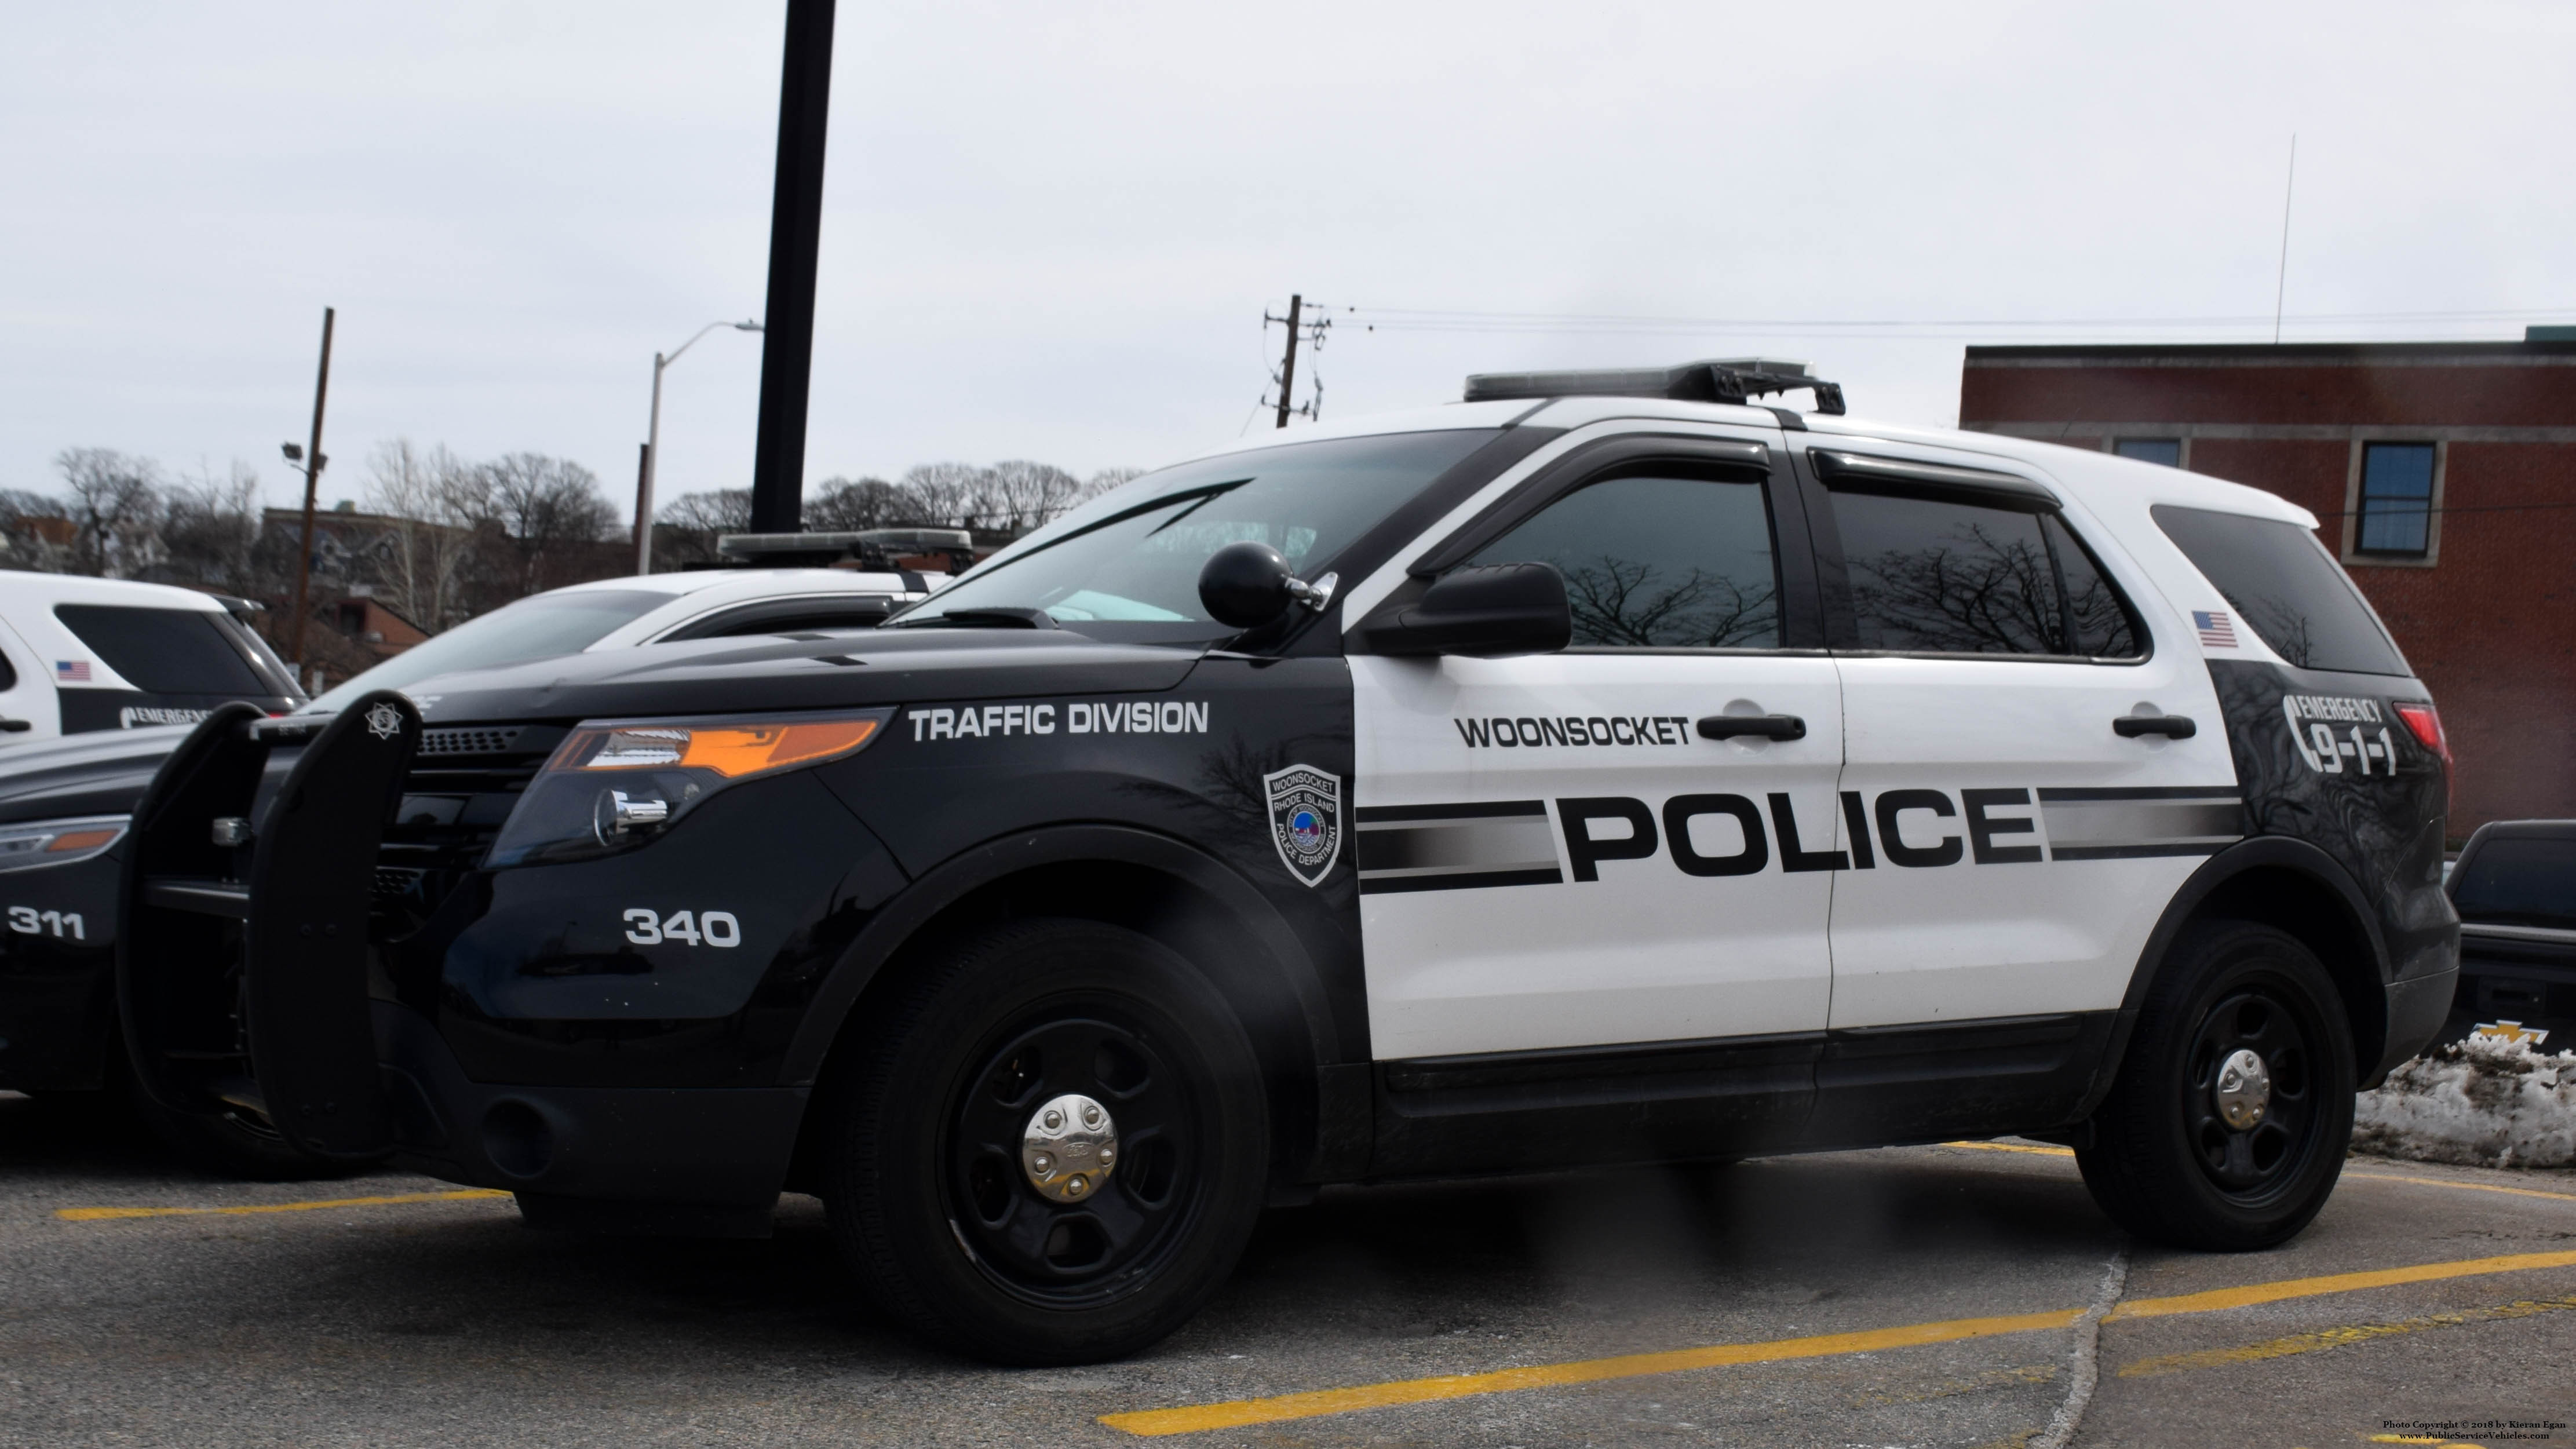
[[2444, 474]]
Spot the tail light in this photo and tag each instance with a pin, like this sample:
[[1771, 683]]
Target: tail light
[[2425, 723]]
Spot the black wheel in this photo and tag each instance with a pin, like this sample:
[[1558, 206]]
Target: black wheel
[[1051, 1150], [2229, 1121]]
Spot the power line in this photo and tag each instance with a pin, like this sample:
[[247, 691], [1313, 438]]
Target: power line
[[1428, 319]]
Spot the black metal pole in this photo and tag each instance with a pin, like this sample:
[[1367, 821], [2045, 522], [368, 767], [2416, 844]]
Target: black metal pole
[[312, 482], [795, 238]]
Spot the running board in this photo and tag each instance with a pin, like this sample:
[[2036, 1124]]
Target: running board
[[205, 897]]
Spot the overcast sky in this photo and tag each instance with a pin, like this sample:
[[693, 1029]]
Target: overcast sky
[[1051, 230]]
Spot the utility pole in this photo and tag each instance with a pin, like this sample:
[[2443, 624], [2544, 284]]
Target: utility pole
[[1288, 364], [313, 461], [795, 240]]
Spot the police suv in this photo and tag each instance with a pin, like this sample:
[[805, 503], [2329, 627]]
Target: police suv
[[1604, 769], [64, 802]]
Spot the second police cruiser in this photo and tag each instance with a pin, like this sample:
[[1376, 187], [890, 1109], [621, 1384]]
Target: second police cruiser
[[1607, 769]]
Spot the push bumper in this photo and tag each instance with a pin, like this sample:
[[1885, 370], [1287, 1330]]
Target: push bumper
[[675, 1159]]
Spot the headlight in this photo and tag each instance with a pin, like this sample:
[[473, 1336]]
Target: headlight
[[615, 784], [59, 842]]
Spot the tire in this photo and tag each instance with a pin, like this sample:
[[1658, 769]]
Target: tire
[[926, 1172], [233, 1144], [2167, 1161]]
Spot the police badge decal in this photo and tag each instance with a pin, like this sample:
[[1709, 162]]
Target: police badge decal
[[1305, 820]]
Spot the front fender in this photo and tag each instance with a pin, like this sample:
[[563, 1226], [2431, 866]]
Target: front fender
[[1021, 852]]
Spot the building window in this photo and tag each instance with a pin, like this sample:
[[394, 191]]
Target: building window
[[2167, 451], [2396, 503]]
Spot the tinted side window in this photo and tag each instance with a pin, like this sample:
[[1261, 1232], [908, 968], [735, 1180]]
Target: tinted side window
[[2519, 882], [2286, 586], [164, 651], [1944, 576], [1658, 562], [2098, 619]]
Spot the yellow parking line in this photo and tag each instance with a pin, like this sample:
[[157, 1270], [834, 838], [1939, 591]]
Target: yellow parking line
[[2324, 1338], [2014, 1147], [2464, 1186], [1155, 1422], [102, 1214], [2368, 1176], [1320, 1402], [2250, 1294]]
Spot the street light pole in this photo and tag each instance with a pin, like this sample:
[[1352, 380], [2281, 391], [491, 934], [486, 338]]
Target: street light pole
[[653, 444]]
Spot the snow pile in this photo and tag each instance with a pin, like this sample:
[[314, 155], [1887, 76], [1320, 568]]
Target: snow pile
[[2482, 1102]]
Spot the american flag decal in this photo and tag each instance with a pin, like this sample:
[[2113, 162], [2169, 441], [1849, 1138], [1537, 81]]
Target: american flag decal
[[2215, 631], [72, 671]]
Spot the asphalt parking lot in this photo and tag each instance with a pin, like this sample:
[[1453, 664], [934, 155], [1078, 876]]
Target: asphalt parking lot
[[1920, 1296]]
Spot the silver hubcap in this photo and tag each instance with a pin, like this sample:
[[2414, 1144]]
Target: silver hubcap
[[2244, 1089], [1069, 1147]]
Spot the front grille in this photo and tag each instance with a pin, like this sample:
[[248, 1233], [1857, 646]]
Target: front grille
[[463, 783], [471, 740]]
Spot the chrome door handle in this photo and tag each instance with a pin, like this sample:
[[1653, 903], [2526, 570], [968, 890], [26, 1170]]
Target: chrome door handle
[[1767, 726], [2171, 726]]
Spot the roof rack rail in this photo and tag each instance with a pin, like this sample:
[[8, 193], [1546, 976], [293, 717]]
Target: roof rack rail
[[1719, 380]]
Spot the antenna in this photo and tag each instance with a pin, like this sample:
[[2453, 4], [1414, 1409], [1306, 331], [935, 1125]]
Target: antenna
[[2281, 284]]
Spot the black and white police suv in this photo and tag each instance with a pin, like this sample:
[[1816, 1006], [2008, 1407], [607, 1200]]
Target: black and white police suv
[[64, 803], [1602, 770]]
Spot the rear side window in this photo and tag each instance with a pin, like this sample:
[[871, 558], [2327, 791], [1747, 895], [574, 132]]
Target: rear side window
[[1658, 562], [2519, 882], [164, 651], [2285, 585], [1945, 576]]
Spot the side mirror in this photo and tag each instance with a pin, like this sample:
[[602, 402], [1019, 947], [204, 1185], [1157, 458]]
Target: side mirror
[[1245, 585], [1484, 612]]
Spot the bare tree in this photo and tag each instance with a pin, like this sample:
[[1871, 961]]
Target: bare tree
[[686, 528], [1621, 602], [1025, 494], [1970, 591], [1106, 479], [210, 530], [950, 494], [116, 505], [548, 507], [434, 502], [844, 505]]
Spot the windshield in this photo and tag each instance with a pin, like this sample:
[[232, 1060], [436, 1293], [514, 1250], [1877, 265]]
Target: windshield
[[1130, 559], [566, 622]]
